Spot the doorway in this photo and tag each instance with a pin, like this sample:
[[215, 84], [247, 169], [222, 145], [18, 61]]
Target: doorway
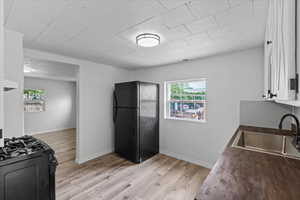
[[51, 105]]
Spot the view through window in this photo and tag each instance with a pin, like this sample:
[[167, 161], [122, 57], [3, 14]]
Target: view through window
[[34, 100], [186, 100]]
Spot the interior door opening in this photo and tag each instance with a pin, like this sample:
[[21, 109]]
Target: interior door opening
[[51, 105]]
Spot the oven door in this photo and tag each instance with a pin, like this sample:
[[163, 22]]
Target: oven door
[[26, 179]]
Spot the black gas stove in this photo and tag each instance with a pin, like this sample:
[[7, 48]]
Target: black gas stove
[[16, 147], [27, 170]]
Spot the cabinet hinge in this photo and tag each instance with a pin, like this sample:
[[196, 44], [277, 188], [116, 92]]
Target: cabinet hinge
[[294, 83]]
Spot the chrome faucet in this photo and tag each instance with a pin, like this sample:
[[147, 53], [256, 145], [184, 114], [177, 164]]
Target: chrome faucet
[[296, 140]]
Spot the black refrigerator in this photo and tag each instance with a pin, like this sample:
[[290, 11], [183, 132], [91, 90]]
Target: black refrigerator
[[136, 120]]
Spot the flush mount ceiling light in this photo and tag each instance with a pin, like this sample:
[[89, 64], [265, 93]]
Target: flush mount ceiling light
[[147, 40]]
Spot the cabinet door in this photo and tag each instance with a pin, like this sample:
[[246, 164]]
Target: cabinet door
[[269, 37], [280, 49]]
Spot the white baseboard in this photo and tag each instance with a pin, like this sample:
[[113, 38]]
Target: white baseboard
[[174, 155], [92, 156], [185, 158], [47, 131]]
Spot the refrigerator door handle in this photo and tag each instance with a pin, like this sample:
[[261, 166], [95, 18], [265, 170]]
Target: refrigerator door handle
[[115, 99], [115, 114], [115, 109]]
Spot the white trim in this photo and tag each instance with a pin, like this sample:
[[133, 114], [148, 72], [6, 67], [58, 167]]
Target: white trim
[[92, 156], [48, 131], [77, 150], [187, 80], [166, 101], [32, 53], [168, 153], [185, 119], [188, 159], [59, 78], [190, 101], [8, 85]]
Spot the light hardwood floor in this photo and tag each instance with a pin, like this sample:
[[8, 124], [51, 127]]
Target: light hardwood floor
[[110, 177]]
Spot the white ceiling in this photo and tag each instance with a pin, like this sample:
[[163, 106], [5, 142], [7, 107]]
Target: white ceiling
[[104, 30]]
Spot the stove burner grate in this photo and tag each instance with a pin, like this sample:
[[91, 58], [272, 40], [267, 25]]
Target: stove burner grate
[[21, 146]]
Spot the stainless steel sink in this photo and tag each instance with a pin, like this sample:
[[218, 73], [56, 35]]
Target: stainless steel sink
[[266, 143]]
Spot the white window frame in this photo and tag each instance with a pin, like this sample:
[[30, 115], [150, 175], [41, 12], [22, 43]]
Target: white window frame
[[166, 101]]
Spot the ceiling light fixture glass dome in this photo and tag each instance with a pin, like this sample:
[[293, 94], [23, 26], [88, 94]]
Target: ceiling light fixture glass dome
[[147, 40]]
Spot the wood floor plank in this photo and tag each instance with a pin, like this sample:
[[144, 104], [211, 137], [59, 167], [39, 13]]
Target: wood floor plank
[[140, 190], [110, 177], [123, 175], [141, 185]]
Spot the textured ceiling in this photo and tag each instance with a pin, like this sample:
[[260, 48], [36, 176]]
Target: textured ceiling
[[104, 30]]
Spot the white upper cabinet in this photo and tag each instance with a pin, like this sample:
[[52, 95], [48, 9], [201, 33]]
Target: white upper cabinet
[[280, 51]]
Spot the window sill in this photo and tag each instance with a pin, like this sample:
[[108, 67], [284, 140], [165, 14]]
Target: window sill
[[187, 120]]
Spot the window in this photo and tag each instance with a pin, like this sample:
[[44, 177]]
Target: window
[[186, 100], [34, 100]]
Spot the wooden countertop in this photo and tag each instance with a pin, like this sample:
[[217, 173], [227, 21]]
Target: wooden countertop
[[247, 175]]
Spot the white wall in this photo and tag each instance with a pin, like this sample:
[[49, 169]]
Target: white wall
[[95, 84], [1, 64], [230, 78], [60, 106], [298, 42], [13, 71], [263, 114], [51, 69]]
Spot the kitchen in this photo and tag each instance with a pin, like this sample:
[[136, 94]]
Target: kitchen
[[226, 73]]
